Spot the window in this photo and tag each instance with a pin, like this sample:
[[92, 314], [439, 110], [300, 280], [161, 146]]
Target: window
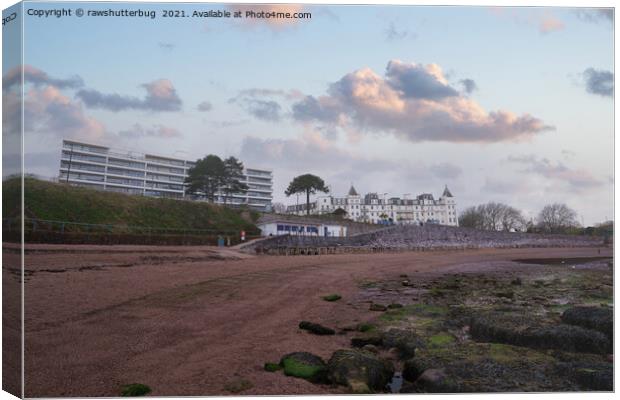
[[83, 177], [121, 181], [82, 157], [165, 161], [85, 167], [118, 171], [124, 163], [81, 147]]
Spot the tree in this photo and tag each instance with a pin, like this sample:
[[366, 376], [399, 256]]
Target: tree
[[340, 213], [492, 217], [206, 177], [557, 218], [512, 220], [472, 217], [278, 208], [308, 184], [233, 173]]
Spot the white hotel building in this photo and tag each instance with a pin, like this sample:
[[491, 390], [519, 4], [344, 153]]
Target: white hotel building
[[99, 167], [373, 209]]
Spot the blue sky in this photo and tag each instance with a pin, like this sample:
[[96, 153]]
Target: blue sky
[[322, 96]]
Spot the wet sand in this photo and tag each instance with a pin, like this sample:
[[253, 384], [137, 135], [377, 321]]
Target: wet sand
[[190, 320]]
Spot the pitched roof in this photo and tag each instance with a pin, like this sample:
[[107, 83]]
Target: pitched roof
[[446, 192], [352, 191]]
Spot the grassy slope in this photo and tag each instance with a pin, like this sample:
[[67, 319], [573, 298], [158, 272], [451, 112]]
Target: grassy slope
[[60, 202]]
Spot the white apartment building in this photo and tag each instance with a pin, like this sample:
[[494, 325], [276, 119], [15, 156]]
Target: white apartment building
[[375, 209], [103, 168]]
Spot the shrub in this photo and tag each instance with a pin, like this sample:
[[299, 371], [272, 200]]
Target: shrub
[[135, 389]]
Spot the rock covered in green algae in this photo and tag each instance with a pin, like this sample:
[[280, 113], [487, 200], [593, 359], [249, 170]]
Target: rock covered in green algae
[[598, 318], [361, 371], [304, 365], [135, 389], [332, 297], [405, 341], [272, 367], [317, 329]]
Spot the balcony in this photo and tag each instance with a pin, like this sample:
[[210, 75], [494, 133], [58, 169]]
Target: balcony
[[259, 173]]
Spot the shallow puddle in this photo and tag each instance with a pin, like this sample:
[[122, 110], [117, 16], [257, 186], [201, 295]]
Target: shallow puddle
[[396, 383], [560, 261]]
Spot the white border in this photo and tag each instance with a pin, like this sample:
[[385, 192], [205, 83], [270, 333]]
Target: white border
[[504, 3]]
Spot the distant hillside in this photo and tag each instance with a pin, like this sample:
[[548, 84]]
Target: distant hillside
[[61, 202]]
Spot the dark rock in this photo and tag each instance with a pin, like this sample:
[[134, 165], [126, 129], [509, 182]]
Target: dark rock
[[506, 294], [371, 348], [598, 318], [588, 375], [403, 340], [596, 379], [377, 307], [394, 306], [361, 371], [413, 368], [568, 338], [304, 365], [433, 381], [521, 331], [332, 297], [365, 327], [373, 338], [451, 284], [408, 387], [317, 329]]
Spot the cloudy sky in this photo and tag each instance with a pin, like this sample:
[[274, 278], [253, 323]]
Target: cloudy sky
[[501, 104]]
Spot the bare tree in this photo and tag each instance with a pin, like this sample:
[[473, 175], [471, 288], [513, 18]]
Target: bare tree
[[493, 217], [492, 213], [279, 208], [557, 218], [513, 220]]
